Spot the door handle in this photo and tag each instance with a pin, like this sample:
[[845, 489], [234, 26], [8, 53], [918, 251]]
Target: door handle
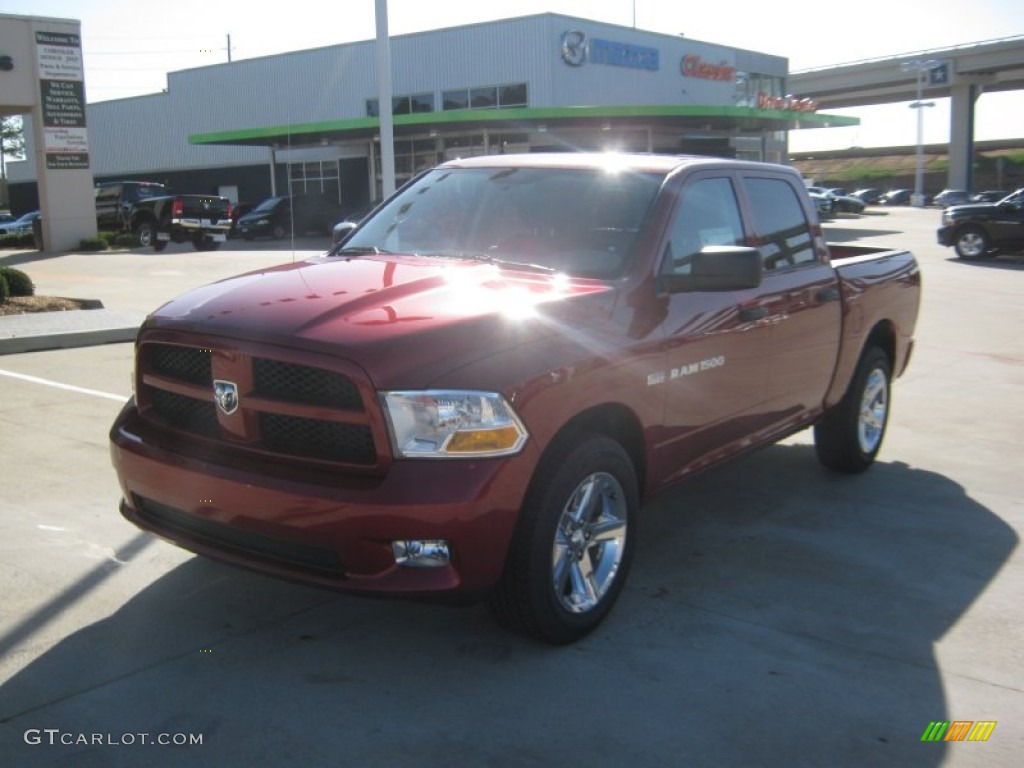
[[827, 294], [749, 314]]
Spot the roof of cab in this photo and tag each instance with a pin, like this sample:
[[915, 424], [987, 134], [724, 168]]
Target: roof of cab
[[600, 160]]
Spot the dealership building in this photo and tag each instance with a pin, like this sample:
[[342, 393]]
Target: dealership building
[[307, 122]]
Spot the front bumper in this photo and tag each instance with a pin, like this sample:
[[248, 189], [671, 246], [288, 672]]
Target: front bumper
[[945, 235], [322, 527]]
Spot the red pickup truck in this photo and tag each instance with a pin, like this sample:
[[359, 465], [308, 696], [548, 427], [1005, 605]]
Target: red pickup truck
[[474, 392]]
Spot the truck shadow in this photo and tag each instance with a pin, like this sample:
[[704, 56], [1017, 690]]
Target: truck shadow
[[836, 234], [776, 614], [1009, 261]]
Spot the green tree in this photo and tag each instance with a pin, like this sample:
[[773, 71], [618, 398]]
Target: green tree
[[12, 141]]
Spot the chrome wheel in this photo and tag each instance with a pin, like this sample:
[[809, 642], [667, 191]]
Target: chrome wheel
[[971, 244], [874, 409], [849, 435], [589, 542], [570, 555]]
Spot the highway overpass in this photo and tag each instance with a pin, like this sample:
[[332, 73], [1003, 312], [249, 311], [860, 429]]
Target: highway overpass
[[961, 73]]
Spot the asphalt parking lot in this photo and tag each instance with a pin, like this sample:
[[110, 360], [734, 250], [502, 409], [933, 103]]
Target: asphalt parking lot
[[775, 614]]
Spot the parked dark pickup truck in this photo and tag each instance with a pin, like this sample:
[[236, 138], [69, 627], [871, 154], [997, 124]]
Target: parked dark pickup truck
[[156, 217], [474, 392], [984, 230]]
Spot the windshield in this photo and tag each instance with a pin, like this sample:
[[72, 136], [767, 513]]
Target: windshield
[[268, 205], [579, 221]]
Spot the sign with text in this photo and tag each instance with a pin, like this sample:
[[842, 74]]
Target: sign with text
[[62, 98], [59, 56]]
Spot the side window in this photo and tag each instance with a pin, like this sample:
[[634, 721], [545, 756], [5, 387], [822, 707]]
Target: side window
[[708, 215], [781, 227]]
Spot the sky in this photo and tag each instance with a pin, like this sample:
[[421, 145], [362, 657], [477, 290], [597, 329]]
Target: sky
[[129, 47]]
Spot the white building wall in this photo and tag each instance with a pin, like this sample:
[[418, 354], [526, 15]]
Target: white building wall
[[150, 133]]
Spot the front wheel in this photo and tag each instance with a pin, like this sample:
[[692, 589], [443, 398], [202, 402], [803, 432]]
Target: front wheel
[[971, 243], [849, 436], [573, 545]]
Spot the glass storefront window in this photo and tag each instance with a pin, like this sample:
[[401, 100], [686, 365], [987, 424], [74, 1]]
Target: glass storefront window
[[403, 105], [483, 98], [486, 97], [457, 99], [512, 96]]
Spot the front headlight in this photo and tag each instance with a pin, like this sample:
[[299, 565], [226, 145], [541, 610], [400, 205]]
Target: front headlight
[[452, 424]]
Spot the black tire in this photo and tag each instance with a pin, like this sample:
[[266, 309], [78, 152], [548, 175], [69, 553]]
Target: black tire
[[278, 231], [145, 234], [972, 243], [159, 245], [569, 558], [850, 435]]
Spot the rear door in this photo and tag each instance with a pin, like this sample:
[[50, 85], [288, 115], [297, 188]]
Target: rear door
[[800, 295]]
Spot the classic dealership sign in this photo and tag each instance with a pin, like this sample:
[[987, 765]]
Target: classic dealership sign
[[695, 66], [577, 49], [786, 103], [62, 96]]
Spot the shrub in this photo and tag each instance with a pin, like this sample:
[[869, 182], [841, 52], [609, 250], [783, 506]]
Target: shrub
[[90, 244], [5, 292], [123, 240], [18, 283], [18, 241]]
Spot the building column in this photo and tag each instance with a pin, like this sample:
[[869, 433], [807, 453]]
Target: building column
[[961, 135]]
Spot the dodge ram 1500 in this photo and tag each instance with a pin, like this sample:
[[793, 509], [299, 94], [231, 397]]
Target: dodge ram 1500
[[473, 393]]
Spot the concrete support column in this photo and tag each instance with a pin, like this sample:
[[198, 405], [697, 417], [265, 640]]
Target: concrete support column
[[46, 81], [961, 135]]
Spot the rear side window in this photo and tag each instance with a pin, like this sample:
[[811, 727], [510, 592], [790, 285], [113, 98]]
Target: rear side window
[[781, 227]]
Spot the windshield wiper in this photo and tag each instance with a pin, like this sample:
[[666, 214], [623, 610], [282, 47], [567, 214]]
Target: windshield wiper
[[359, 250], [488, 259]]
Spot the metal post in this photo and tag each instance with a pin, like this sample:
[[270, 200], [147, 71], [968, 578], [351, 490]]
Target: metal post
[[920, 68], [387, 129], [919, 169]]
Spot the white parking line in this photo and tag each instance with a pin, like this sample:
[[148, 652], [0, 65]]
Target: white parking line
[[59, 385]]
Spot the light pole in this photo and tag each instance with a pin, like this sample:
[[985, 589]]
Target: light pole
[[921, 67]]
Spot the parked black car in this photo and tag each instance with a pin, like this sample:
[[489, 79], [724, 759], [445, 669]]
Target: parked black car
[[948, 197], [983, 230], [278, 216], [896, 197], [870, 195]]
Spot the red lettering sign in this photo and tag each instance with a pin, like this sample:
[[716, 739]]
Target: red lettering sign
[[786, 103], [694, 66]]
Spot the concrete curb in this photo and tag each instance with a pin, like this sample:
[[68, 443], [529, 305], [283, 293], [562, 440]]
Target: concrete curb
[[39, 331]]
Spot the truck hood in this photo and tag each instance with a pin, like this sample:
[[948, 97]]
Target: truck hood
[[406, 320], [970, 209]]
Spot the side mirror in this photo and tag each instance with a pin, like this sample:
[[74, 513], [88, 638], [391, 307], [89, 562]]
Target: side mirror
[[717, 268], [342, 230]]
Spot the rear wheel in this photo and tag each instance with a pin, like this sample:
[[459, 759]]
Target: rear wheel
[[850, 435], [971, 243], [278, 231], [145, 234], [573, 545]]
